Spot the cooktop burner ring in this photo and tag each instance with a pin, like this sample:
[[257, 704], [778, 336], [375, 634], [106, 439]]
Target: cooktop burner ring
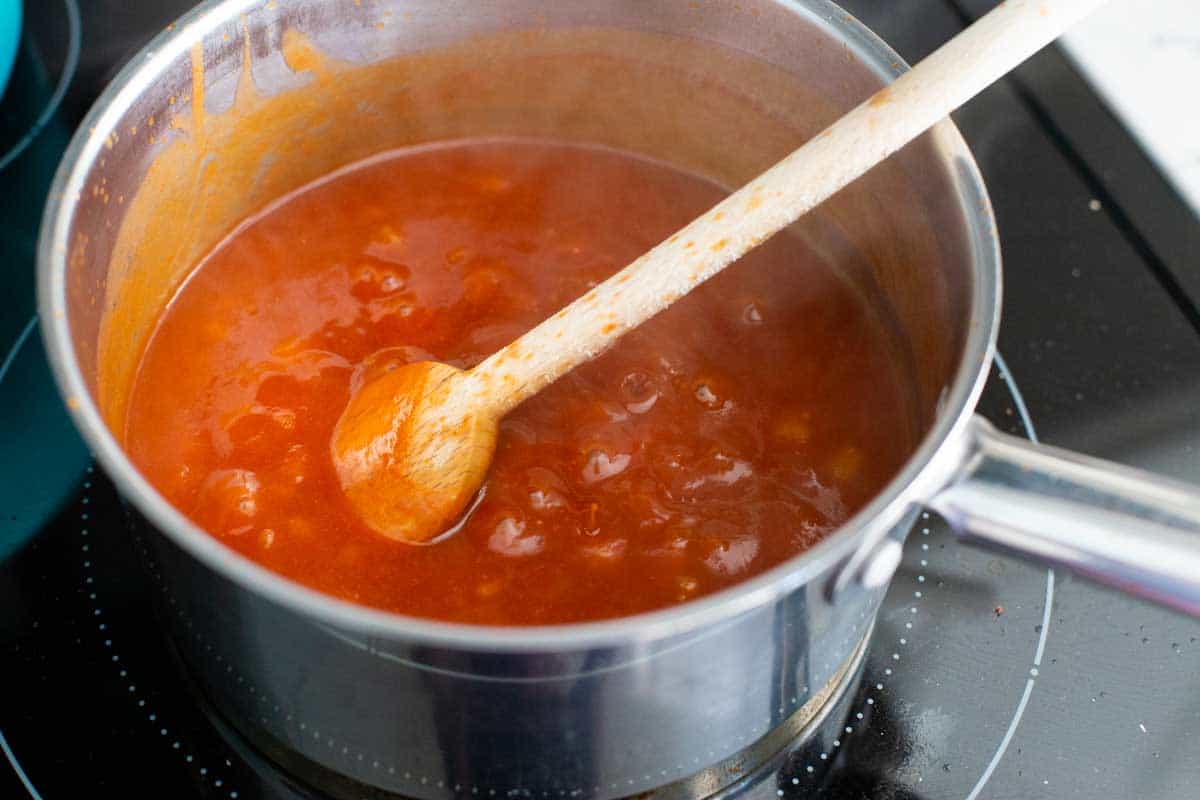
[[47, 111], [15, 350], [1031, 432]]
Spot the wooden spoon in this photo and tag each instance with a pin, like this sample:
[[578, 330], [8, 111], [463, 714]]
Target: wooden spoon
[[413, 445]]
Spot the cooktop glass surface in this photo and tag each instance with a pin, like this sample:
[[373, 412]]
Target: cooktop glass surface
[[985, 677]]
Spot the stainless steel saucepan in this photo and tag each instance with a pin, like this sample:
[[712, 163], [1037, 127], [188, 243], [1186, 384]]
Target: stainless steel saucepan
[[243, 100]]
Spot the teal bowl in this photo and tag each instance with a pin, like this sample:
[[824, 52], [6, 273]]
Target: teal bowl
[[10, 37]]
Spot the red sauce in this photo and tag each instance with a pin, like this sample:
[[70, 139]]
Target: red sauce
[[729, 433]]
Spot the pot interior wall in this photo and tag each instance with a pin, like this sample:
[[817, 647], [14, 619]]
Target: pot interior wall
[[269, 100]]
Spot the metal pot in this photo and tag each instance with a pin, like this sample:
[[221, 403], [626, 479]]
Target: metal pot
[[241, 101]]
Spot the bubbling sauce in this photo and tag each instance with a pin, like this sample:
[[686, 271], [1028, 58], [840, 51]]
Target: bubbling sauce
[[729, 433]]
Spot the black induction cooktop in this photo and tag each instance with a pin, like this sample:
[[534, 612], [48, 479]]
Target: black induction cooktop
[[985, 678]]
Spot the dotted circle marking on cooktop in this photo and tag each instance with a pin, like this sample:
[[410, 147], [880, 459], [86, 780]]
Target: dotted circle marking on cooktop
[[122, 671], [809, 768]]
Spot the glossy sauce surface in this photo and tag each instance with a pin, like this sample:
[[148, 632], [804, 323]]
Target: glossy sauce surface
[[729, 433]]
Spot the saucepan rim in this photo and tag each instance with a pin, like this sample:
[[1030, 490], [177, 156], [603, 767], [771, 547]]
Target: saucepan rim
[[935, 453]]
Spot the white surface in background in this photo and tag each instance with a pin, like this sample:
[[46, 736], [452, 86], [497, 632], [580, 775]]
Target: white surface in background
[[1143, 57]]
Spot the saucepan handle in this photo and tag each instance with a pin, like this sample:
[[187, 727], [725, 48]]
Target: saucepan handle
[[1122, 527]]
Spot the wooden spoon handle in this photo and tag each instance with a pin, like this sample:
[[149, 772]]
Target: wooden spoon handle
[[867, 135]]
